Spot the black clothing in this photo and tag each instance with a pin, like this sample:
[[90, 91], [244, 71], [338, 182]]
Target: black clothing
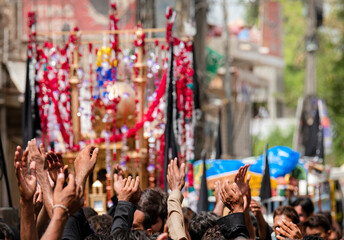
[[233, 226], [124, 216], [77, 226]]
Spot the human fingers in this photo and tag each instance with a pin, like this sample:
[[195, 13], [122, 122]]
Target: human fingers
[[59, 157], [137, 183], [42, 150], [94, 153], [19, 173], [282, 232], [235, 188], [182, 169], [132, 184], [59, 183], [17, 154], [65, 169], [169, 167], [288, 225], [24, 158], [124, 182], [279, 237], [248, 178], [175, 165], [16, 158], [71, 182]]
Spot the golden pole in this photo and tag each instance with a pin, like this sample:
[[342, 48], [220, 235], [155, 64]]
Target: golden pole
[[74, 82], [140, 80]]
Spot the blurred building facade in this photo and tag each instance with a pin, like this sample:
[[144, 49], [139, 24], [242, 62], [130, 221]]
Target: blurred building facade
[[256, 66]]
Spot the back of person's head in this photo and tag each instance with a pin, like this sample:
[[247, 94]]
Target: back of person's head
[[89, 212], [287, 211], [154, 202], [306, 205], [310, 237], [6, 232], [213, 233], [317, 225], [188, 215], [328, 216], [129, 234], [318, 220], [200, 223], [101, 224]]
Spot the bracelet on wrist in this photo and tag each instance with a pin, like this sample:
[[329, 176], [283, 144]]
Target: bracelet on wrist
[[63, 207]]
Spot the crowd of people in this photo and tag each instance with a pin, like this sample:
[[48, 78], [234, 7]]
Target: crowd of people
[[51, 206]]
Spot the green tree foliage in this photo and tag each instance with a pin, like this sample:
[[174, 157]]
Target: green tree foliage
[[330, 74]]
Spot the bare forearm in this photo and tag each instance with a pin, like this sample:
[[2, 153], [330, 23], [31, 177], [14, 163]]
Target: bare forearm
[[249, 225], [27, 220], [218, 209], [262, 226], [56, 225], [42, 221], [47, 192]]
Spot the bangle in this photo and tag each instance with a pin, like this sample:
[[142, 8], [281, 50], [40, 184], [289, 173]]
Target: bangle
[[62, 206]]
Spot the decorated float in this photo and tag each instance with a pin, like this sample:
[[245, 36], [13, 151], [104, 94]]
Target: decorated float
[[115, 95]]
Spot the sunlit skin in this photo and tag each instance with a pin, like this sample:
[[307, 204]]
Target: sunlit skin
[[278, 221], [318, 232]]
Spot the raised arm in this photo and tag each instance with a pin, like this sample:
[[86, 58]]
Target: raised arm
[[27, 183], [176, 182], [219, 206], [128, 192], [233, 225], [38, 156], [84, 164], [246, 191], [66, 201]]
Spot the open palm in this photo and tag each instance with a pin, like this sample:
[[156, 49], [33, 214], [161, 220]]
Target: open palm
[[240, 179], [27, 181]]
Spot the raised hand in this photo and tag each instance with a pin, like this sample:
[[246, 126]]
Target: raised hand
[[118, 170], [27, 180], [219, 206], [175, 176], [217, 187], [36, 155], [287, 230], [255, 207], [55, 165], [232, 197], [240, 179], [127, 189], [70, 197], [84, 164]]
